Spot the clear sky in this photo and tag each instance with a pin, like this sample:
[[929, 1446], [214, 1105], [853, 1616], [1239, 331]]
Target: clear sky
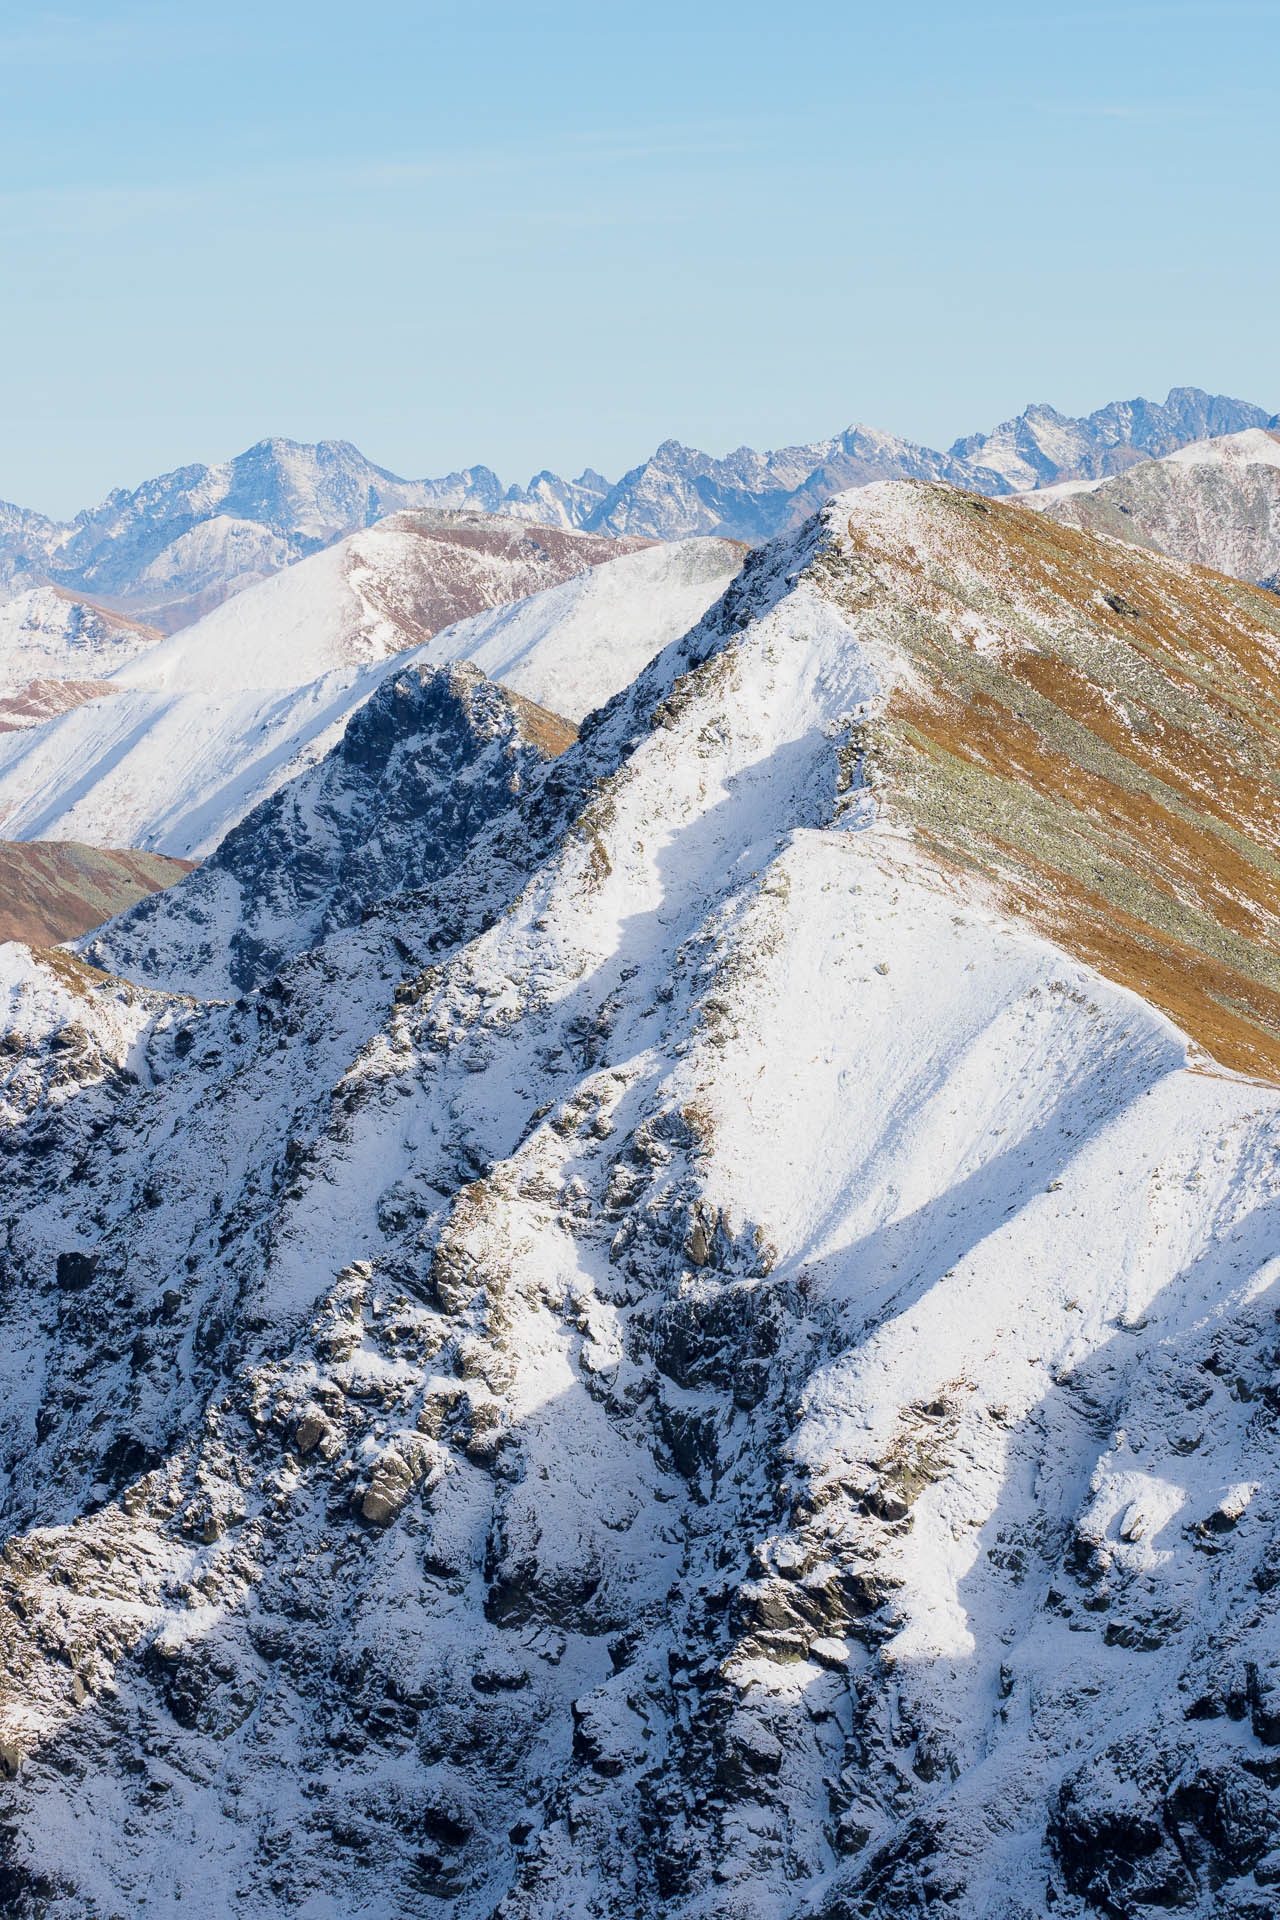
[[553, 233]]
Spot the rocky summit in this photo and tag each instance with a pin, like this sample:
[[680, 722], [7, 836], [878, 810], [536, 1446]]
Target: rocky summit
[[698, 1337]]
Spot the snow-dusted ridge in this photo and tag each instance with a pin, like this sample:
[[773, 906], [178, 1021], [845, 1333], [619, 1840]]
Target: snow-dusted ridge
[[421, 769], [697, 1364], [1215, 502]]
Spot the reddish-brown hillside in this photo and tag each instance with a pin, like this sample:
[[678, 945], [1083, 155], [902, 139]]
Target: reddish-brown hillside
[[52, 890]]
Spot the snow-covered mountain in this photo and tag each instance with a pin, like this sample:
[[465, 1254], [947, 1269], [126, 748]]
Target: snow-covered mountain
[[574, 646], [175, 547], [717, 1358], [423, 766], [1216, 503], [1042, 447], [55, 652], [204, 725]]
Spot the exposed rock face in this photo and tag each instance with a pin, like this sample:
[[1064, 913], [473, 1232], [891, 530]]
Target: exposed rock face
[[431, 759], [54, 890], [1216, 503], [210, 721], [697, 1363]]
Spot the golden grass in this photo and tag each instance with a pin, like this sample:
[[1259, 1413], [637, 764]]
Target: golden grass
[[1111, 763]]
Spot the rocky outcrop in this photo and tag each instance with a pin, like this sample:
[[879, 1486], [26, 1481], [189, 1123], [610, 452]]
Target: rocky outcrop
[[421, 769]]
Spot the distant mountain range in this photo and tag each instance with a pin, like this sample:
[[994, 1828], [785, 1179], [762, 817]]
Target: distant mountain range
[[177, 546]]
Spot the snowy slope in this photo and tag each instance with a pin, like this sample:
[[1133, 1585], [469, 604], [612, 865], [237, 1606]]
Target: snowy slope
[[210, 721], [699, 1364], [575, 646], [371, 595], [170, 772], [45, 634], [1259, 447], [1216, 503]]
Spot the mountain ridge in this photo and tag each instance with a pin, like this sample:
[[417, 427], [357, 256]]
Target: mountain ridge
[[1215, 503], [171, 548], [698, 1363]]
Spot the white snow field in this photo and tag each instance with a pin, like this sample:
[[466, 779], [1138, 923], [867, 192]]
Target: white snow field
[[46, 634], [575, 646]]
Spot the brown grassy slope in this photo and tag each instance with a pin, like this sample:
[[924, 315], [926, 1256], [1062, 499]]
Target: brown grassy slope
[[549, 732], [1096, 731], [46, 699], [53, 890]]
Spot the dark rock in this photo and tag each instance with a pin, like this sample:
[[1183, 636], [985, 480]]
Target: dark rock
[[76, 1270]]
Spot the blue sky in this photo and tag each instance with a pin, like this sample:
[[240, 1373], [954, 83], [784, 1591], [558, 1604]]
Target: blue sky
[[554, 234]]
